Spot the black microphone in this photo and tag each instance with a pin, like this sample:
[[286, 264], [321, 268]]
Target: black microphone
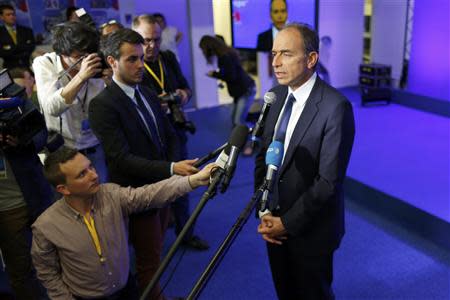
[[274, 157], [237, 141], [210, 155], [269, 99]]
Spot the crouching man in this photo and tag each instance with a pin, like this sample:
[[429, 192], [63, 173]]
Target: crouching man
[[80, 243]]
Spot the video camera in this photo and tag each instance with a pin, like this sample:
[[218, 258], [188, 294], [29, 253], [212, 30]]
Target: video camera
[[15, 119], [173, 101]]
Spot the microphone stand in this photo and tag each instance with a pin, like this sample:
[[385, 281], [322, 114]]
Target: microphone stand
[[210, 193], [226, 244]]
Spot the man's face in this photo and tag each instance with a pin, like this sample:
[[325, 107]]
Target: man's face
[[278, 13], [291, 65], [130, 66], [9, 17], [152, 40], [81, 178], [74, 58]]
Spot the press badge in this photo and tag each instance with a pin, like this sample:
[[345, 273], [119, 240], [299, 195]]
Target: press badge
[[85, 125]]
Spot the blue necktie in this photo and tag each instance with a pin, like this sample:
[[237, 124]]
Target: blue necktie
[[151, 125], [280, 134]]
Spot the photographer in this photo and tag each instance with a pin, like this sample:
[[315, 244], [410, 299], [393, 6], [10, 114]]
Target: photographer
[[67, 80], [163, 75], [24, 194]]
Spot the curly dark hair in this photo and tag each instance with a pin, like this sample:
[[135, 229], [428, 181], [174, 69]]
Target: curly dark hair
[[74, 36]]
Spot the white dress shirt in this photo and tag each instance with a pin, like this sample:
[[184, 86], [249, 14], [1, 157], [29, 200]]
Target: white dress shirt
[[47, 69], [301, 94]]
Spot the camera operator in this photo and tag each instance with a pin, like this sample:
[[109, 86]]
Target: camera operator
[[67, 80], [163, 75], [24, 194]]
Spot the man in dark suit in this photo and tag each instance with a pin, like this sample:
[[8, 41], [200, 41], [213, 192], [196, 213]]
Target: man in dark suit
[[16, 42], [278, 15], [139, 143], [163, 76], [316, 125]]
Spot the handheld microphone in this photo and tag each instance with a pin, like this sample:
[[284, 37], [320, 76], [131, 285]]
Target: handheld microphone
[[274, 157], [269, 99], [222, 159], [210, 155], [237, 141]]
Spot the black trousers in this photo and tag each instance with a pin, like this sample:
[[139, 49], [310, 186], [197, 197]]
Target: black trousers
[[15, 243], [300, 276]]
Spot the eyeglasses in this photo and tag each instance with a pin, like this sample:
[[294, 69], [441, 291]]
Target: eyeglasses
[[154, 41]]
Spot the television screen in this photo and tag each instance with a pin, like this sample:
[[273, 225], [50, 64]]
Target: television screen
[[251, 17]]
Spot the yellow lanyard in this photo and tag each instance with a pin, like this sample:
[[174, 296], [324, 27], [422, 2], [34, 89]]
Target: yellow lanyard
[[13, 34], [93, 232], [160, 81]]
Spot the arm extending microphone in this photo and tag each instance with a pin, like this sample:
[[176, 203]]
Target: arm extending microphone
[[274, 157], [237, 141], [269, 99]]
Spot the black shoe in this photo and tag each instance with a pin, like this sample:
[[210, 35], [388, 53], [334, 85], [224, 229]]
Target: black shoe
[[196, 243]]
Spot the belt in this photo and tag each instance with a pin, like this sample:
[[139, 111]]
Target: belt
[[89, 150]]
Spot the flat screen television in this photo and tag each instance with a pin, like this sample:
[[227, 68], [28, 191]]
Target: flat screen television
[[251, 17]]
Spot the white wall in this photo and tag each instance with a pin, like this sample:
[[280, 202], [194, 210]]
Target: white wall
[[201, 23], [343, 21], [388, 34], [126, 10], [222, 20]]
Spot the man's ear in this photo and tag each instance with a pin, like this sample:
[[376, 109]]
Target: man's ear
[[62, 189], [313, 57], [111, 61]]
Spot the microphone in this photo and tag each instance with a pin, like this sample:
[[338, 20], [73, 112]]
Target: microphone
[[269, 99], [212, 154], [274, 157], [237, 141]]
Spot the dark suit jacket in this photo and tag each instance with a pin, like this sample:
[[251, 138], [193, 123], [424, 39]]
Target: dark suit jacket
[[174, 78], [132, 157], [265, 41], [309, 188], [16, 55]]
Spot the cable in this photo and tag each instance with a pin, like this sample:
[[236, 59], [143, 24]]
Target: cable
[[172, 272]]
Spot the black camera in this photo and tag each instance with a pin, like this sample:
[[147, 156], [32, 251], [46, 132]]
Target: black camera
[[15, 119], [21, 124], [87, 19], [173, 101], [18, 119]]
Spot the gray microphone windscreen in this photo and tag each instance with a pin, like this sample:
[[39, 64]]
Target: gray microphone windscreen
[[270, 97]]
